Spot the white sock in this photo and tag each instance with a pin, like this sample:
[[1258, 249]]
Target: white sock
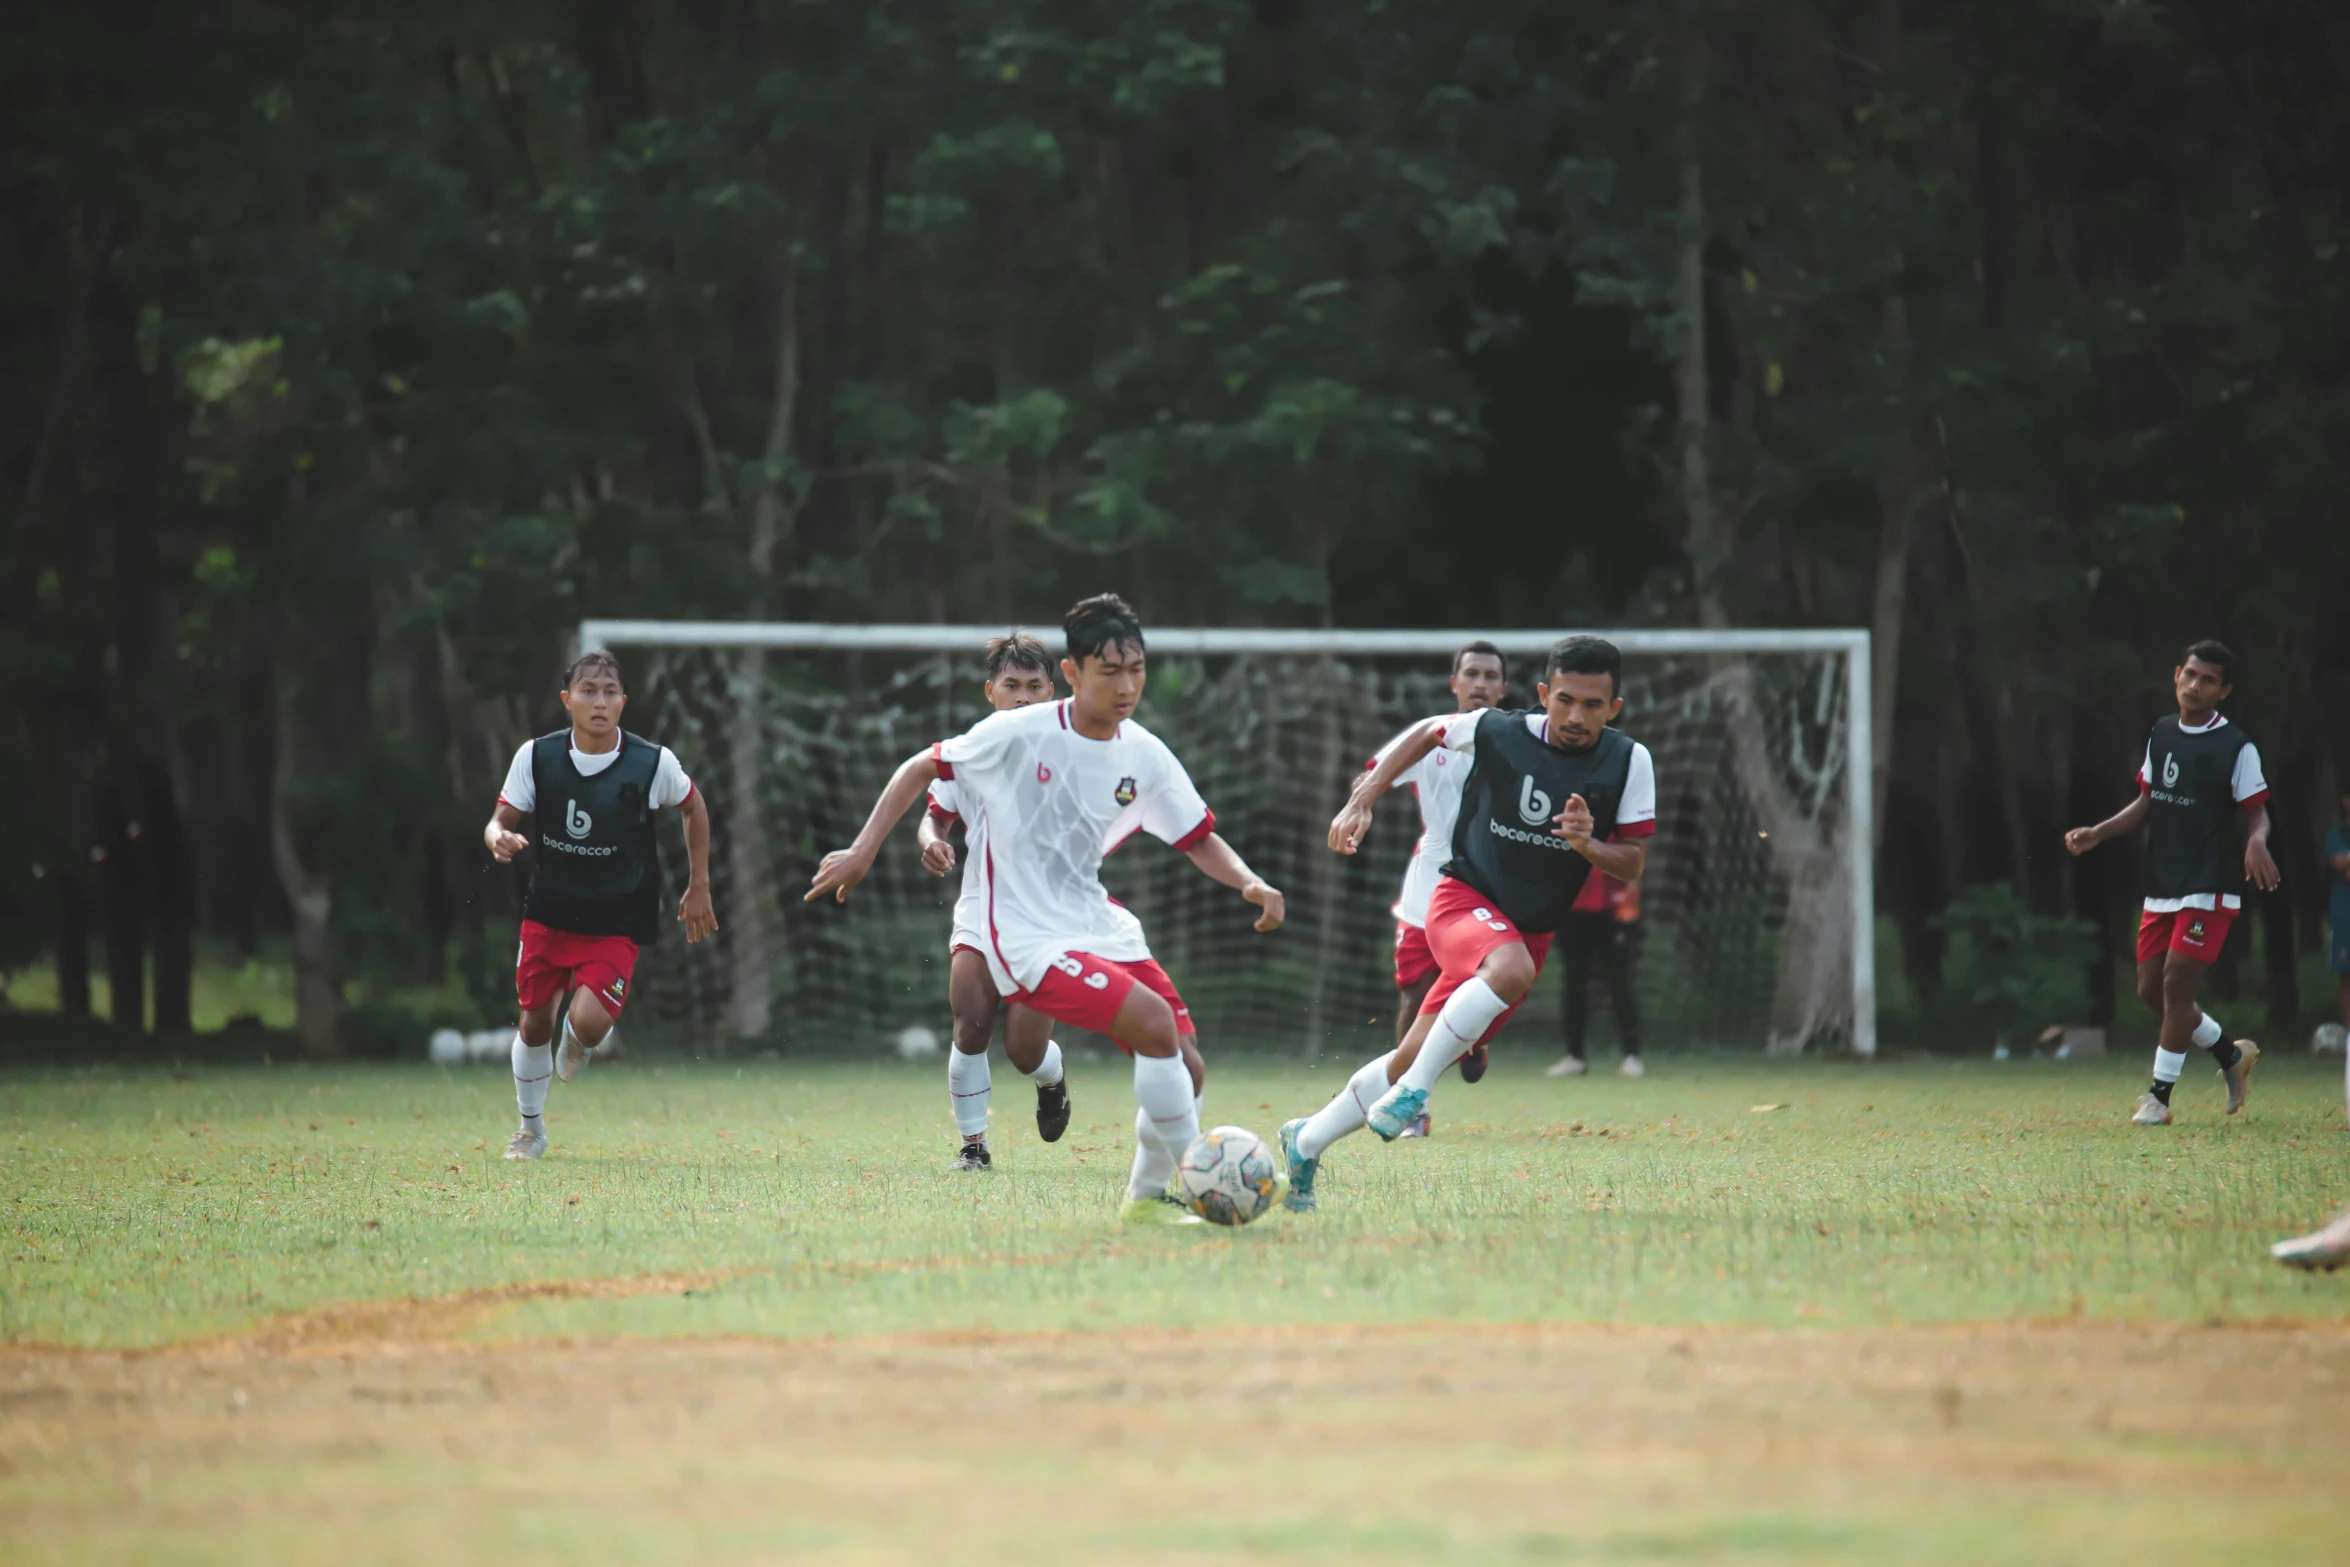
[[2168, 1064], [2207, 1032], [534, 1065], [969, 1083], [1048, 1071], [1162, 1087], [1154, 1165], [1349, 1112], [1471, 1010]]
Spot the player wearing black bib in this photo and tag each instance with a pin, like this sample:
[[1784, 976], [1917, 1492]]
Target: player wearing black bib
[[2199, 775], [1547, 792], [594, 897]]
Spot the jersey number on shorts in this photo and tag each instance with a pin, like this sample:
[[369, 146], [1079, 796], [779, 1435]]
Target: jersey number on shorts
[[1076, 970], [1487, 916]]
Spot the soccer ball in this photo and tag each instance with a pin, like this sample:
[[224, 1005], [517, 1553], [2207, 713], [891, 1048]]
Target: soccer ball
[[1227, 1177]]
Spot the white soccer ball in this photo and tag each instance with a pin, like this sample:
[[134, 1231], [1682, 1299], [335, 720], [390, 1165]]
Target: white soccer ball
[[2330, 1039], [916, 1043], [1227, 1177], [447, 1047]]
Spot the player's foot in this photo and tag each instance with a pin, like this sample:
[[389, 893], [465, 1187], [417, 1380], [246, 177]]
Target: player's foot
[[2151, 1112], [1396, 1110], [1302, 1170], [1632, 1067], [1160, 1212], [1473, 1064], [571, 1057], [2239, 1077], [1567, 1066], [526, 1144], [1052, 1110], [1420, 1127], [973, 1156], [2325, 1249]]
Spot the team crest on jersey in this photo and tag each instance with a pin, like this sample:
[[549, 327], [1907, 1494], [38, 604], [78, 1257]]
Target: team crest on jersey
[[2195, 929], [1125, 791]]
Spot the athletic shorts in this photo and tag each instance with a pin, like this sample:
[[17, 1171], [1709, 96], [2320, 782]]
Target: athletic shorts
[[1463, 931], [1084, 991], [1413, 961], [553, 961], [2199, 933]]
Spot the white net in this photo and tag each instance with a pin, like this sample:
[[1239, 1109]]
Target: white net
[[1745, 935]]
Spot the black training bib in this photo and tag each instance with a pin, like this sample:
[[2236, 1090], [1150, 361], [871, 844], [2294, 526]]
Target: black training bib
[[1503, 844], [598, 872], [2190, 801]]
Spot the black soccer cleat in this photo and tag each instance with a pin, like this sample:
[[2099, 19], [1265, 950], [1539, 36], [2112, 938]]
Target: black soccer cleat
[[973, 1156], [1052, 1110], [1473, 1064]]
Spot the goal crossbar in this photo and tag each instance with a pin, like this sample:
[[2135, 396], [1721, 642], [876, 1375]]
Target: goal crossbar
[[1849, 644]]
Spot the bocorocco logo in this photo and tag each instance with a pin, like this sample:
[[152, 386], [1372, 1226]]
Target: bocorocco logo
[[2170, 770], [1533, 804], [577, 822]]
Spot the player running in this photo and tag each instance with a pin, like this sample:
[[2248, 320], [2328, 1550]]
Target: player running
[[1480, 679], [1019, 674], [1051, 788], [1509, 882], [594, 898], [2199, 773]]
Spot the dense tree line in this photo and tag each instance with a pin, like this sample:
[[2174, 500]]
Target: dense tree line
[[354, 353]]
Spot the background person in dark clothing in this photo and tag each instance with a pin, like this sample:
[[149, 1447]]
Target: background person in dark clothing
[[1602, 932]]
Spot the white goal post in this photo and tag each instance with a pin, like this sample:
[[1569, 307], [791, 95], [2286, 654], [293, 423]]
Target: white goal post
[[1806, 776]]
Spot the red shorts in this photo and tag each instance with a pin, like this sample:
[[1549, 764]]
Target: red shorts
[[1464, 928], [1084, 991], [1413, 961], [2199, 933], [552, 961]]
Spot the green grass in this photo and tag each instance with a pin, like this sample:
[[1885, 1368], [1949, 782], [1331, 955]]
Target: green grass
[[142, 1208]]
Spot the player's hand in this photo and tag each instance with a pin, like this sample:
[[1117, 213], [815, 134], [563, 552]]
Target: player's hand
[[2259, 868], [1574, 822], [1268, 897], [504, 845], [841, 870], [695, 913], [2080, 840], [1349, 825], [938, 856]]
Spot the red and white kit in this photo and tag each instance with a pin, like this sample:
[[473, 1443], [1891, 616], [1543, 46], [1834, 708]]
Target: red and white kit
[[1435, 781], [2198, 924], [1043, 805]]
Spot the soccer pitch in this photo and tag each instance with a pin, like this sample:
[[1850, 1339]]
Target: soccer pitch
[[1918, 1311]]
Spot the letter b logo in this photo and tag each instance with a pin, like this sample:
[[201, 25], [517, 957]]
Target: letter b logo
[[577, 822], [1533, 804], [2170, 770]]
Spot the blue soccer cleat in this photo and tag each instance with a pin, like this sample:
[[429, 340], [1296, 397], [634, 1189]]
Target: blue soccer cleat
[[1397, 1108], [1300, 1198]]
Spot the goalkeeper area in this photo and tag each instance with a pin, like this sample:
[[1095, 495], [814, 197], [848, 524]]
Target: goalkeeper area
[[1757, 890]]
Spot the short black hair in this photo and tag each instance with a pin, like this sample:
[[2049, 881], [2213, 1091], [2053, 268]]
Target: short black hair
[[1103, 621], [1016, 649], [2215, 653], [1482, 647], [1586, 656], [593, 658]]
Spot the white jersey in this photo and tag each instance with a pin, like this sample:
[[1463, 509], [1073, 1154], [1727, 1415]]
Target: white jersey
[[1044, 805], [1127, 943], [1435, 781]]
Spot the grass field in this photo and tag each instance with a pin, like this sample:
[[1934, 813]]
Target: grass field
[[1921, 1311]]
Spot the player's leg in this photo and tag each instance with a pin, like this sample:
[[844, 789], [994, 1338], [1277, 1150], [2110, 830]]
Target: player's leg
[[2194, 948], [601, 966], [1619, 944], [1085, 991], [1575, 1009], [2153, 955], [1504, 976], [972, 995], [1305, 1139], [1030, 1047], [539, 982], [1157, 1152]]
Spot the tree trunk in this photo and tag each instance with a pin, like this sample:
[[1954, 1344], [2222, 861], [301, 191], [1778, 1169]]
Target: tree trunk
[[125, 893], [73, 937], [171, 901], [318, 1002]]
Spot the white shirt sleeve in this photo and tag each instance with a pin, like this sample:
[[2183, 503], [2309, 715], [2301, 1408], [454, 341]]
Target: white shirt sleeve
[[1410, 775], [1172, 810], [521, 789], [1460, 730], [670, 784], [987, 747], [1638, 806], [2248, 780], [2146, 769], [945, 798]]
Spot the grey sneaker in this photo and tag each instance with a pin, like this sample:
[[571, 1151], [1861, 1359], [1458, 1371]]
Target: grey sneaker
[[2151, 1111], [1567, 1066], [2239, 1077], [526, 1144], [2325, 1249], [1633, 1067], [571, 1057]]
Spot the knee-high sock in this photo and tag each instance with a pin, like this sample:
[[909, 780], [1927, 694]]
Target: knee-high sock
[[2207, 1033], [969, 1083], [1169, 1114], [1349, 1112], [1049, 1070], [534, 1065], [1154, 1163], [1467, 1014]]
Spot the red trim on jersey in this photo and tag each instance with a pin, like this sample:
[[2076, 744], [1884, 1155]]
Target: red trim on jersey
[[1061, 711], [1636, 829], [1192, 839], [2252, 801], [510, 805], [2145, 784], [691, 789], [946, 769], [941, 815], [995, 937]]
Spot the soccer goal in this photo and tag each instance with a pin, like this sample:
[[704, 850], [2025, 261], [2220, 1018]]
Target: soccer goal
[[1756, 910]]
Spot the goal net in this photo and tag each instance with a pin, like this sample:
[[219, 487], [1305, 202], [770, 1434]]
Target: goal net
[[1752, 914]]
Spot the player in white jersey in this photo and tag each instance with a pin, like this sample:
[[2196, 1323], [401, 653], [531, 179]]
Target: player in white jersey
[[1019, 674], [1052, 788], [1480, 679]]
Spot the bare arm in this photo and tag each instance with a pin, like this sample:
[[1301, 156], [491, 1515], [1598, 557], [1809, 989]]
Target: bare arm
[[2341, 865], [844, 868], [1219, 861], [1348, 827], [693, 910], [938, 849], [503, 835], [2260, 868], [1623, 861], [2126, 820]]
